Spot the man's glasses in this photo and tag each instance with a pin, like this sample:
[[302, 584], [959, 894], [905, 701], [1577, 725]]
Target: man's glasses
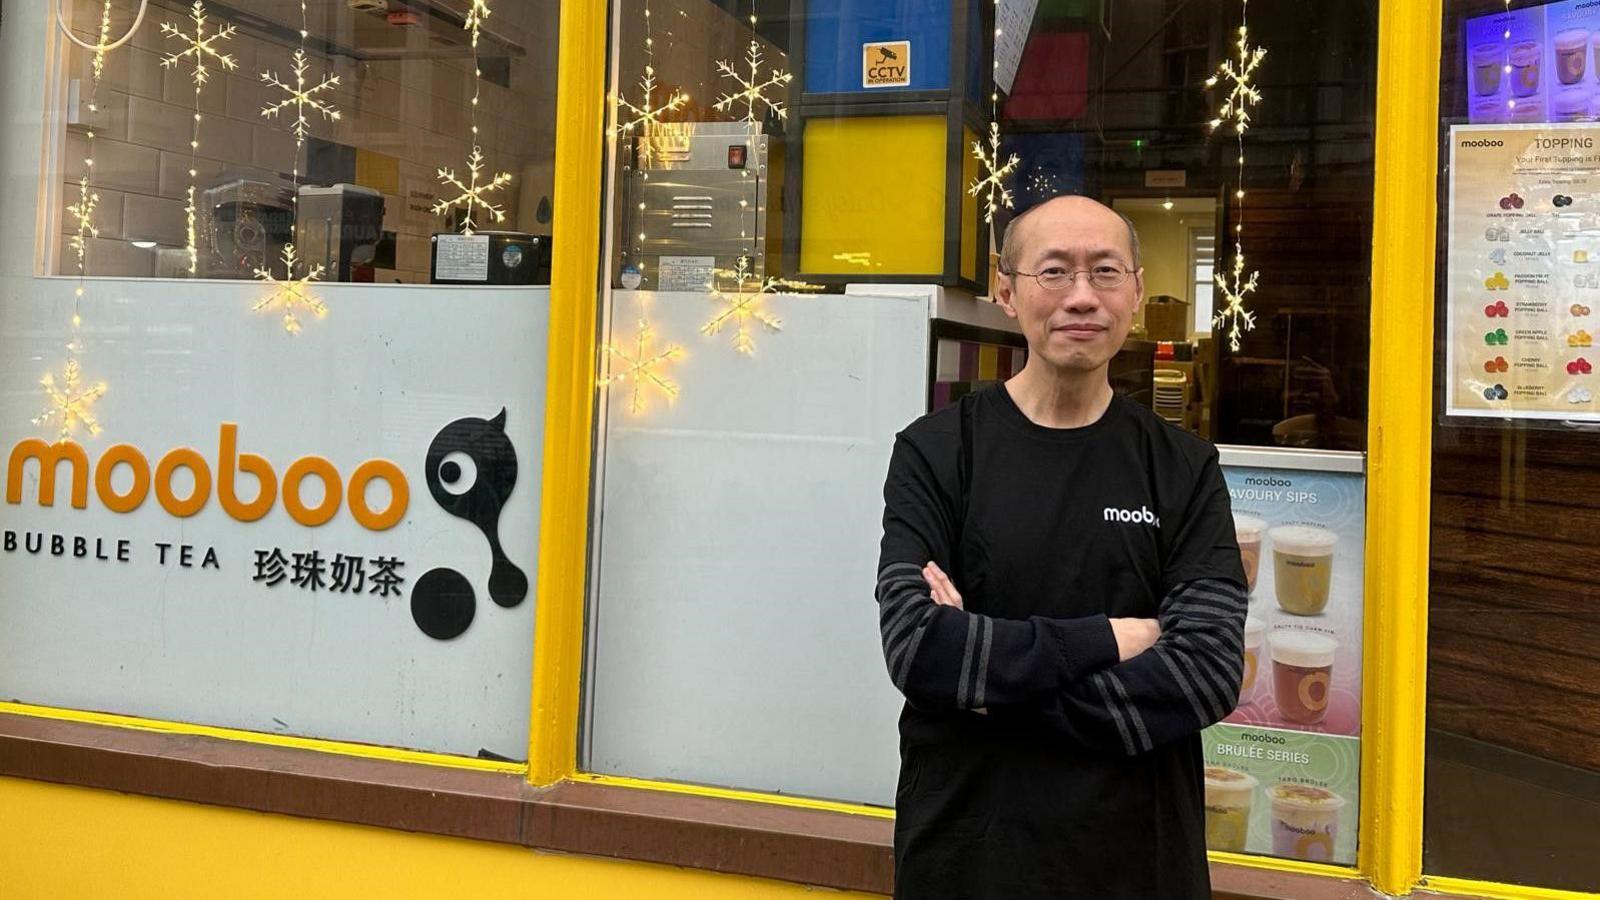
[[1056, 278]]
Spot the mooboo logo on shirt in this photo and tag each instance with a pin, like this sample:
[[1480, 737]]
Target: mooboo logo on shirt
[[443, 602], [885, 64]]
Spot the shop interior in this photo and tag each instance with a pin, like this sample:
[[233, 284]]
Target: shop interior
[[1106, 100], [385, 154]]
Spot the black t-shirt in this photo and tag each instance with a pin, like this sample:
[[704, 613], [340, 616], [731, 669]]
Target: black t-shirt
[[1074, 526]]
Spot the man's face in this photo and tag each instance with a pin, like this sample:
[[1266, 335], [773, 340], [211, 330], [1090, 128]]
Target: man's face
[[1081, 327]]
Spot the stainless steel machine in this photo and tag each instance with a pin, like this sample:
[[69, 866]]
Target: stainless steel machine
[[695, 201], [241, 225], [338, 227]]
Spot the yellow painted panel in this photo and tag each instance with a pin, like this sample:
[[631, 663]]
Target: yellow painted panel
[[703, 790], [1488, 890], [73, 842], [872, 196], [988, 362], [344, 748], [969, 207], [378, 171]]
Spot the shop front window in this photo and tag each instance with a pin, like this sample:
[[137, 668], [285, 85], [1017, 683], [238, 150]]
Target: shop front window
[[268, 465], [800, 253], [1513, 742]]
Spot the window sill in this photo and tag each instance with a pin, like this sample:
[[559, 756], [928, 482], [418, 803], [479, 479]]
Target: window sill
[[816, 847]]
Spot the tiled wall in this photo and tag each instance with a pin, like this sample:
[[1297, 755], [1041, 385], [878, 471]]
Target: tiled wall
[[413, 109]]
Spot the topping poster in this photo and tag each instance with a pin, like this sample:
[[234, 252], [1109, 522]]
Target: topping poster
[[1523, 276]]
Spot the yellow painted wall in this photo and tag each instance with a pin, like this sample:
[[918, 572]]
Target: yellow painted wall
[[1164, 248], [969, 209], [70, 843], [1163, 244]]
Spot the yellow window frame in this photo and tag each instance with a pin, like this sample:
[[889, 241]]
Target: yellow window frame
[[1399, 442]]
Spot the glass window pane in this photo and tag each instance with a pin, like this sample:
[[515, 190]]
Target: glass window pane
[[1513, 764], [299, 499], [356, 156], [795, 278]]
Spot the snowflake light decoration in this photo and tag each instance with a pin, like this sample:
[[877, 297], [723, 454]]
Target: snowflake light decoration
[[1234, 288], [103, 44], [639, 366], [1242, 94], [291, 293], [752, 89], [70, 401], [472, 191], [474, 20], [992, 184], [644, 117], [198, 45], [300, 97], [744, 303], [83, 214]]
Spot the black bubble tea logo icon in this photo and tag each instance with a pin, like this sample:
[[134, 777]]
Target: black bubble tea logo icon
[[442, 601]]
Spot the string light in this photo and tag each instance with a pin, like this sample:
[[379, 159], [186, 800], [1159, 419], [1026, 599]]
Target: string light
[[991, 181], [474, 21], [199, 46], [70, 402], [1236, 284], [1235, 287], [744, 303], [753, 90], [992, 185], [291, 293], [475, 187], [1242, 93], [638, 366], [645, 117], [472, 192], [301, 97]]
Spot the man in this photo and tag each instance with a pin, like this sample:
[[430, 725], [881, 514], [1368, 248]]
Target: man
[[1062, 603]]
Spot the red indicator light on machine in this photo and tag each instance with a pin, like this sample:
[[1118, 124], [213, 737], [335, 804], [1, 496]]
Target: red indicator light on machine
[[737, 154]]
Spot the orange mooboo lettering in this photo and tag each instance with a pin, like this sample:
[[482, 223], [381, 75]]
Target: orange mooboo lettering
[[230, 462]]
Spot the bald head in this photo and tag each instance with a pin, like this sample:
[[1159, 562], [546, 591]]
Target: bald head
[[1014, 244]]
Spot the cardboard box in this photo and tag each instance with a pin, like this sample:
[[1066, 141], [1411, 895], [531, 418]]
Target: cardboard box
[[1166, 318]]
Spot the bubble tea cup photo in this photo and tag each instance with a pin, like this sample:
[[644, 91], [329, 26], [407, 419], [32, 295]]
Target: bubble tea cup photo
[[1525, 68], [1488, 62], [1302, 567], [1305, 821], [1248, 530], [1229, 796], [1255, 633], [1572, 50], [1302, 674]]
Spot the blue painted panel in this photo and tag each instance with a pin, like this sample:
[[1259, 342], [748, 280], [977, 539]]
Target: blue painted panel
[[836, 29]]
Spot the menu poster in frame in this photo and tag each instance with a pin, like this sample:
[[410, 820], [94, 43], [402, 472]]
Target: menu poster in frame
[[1522, 280]]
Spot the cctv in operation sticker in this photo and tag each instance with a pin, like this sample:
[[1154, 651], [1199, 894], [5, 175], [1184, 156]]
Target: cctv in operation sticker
[[886, 64]]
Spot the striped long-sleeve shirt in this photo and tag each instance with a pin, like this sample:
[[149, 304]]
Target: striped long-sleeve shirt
[[941, 657], [1083, 777], [1063, 667]]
